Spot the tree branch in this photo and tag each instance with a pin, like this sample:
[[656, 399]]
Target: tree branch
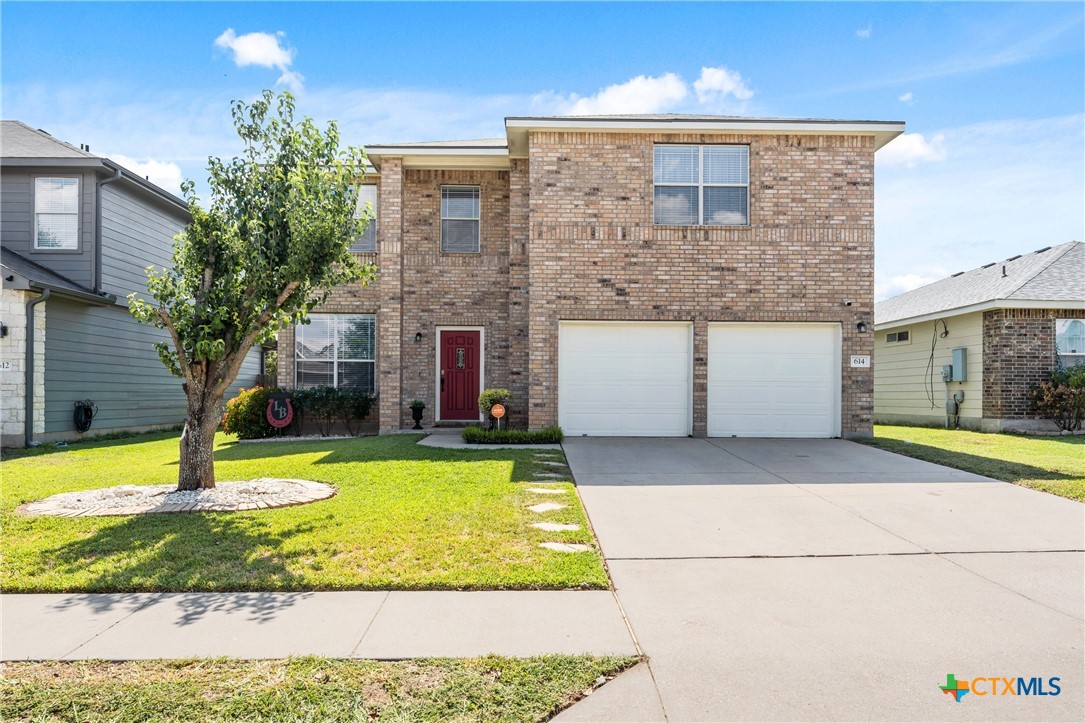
[[229, 371], [186, 370]]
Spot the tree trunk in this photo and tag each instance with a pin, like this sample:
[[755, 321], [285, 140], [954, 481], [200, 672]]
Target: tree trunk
[[197, 470]]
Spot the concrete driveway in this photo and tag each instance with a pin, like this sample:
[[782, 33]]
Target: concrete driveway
[[822, 579]]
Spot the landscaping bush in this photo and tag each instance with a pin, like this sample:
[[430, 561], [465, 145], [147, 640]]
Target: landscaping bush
[[478, 435], [357, 404], [246, 414], [324, 406], [489, 398], [1062, 398]]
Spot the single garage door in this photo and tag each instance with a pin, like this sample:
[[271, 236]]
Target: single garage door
[[774, 380], [624, 378]]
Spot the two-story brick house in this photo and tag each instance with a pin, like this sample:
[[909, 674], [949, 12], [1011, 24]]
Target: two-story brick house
[[77, 236], [633, 275]]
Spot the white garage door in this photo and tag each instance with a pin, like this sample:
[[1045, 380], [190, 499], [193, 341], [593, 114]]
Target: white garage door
[[774, 380], [624, 378]]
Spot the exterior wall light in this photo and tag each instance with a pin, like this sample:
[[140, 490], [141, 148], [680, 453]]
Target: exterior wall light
[[861, 327], [418, 337]]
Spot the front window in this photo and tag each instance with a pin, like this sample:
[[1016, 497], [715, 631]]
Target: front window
[[336, 350], [56, 213], [702, 185], [460, 219], [367, 208], [1070, 341]]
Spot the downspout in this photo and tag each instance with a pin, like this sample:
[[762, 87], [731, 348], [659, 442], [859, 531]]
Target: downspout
[[98, 228], [29, 366]]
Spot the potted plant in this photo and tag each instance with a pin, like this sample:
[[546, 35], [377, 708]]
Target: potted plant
[[417, 406]]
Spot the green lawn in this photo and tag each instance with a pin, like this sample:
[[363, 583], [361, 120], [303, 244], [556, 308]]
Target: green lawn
[[1051, 464], [302, 689], [405, 517]]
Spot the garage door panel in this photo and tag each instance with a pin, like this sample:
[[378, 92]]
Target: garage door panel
[[773, 380], [628, 379]]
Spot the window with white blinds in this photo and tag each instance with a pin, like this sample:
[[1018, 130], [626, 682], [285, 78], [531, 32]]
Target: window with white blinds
[[56, 213], [1070, 341], [460, 219], [702, 185], [336, 350], [367, 208]]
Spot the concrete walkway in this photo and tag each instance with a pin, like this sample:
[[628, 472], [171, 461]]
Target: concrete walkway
[[826, 580], [380, 625]]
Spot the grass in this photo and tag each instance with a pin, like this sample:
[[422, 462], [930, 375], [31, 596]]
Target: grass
[[301, 689], [1051, 464], [406, 517]]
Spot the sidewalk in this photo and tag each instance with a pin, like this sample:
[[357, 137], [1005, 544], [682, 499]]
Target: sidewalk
[[379, 625]]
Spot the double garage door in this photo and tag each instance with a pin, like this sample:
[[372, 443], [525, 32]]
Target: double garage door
[[635, 379]]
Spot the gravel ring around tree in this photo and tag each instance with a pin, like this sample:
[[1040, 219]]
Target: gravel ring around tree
[[259, 494]]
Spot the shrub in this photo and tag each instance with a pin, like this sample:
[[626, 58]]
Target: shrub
[[489, 398], [324, 406], [478, 435], [246, 414], [1062, 398], [356, 406]]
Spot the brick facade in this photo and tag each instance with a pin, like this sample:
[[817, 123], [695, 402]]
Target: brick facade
[[1018, 354], [567, 233]]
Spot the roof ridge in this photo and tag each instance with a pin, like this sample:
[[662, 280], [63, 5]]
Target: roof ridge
[[1043, 267]]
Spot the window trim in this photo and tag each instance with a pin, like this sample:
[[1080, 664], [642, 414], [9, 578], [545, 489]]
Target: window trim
[[701, 185], [443, 218], [896, 340], [78, 248], [335, 353]]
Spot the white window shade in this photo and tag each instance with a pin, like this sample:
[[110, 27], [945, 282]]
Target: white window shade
[[460, 211], [677, 164], [702, 185], [367, 208], [56, 213]]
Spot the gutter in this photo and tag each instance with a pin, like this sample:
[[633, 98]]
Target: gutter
[[98, 228], [28, 427]]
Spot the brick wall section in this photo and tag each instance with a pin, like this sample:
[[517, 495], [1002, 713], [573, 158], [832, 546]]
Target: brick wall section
[[1018, 353], [595, 253]]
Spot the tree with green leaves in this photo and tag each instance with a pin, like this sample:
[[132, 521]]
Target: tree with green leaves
[[273, 243]]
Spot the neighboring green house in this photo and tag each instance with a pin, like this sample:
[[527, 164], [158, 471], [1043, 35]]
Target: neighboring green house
[[1013, 319], [78, 233]]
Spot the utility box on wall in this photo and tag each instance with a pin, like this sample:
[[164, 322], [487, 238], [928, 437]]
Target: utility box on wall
[[960, 364]]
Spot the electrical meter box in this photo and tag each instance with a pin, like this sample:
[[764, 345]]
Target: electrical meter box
[[960, 364]]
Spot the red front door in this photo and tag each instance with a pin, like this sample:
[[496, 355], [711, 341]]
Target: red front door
[[460, 374]]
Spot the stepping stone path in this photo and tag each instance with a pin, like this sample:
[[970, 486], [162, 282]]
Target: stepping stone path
[[542, 491], [565, 546], [546, 507], [551, 475], [555, 527], [258, 494], [552, 464]]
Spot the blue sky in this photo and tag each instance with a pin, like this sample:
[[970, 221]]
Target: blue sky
[[993, 94]]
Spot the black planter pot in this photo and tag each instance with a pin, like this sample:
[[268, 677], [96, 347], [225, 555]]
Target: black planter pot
[[416, 414]]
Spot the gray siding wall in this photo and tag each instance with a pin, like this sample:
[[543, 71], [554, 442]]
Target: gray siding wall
[[17, 222], [136, 233], [101, 353]]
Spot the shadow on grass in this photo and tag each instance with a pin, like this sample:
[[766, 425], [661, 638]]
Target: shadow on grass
[[987, 466], [396, 448], [183, 553]]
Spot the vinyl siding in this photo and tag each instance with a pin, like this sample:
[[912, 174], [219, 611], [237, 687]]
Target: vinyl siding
[[900, 370], [135, 235], [101, 353], [17, 222]]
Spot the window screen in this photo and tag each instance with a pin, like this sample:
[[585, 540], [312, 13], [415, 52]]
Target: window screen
[[56, 213], [460, 208], [701, 185]]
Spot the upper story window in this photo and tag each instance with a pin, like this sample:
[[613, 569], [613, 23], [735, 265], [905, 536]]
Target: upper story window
[[336, 350], [56, 213], [367, 207], [702, 185], [1070, 341], [460, 219]]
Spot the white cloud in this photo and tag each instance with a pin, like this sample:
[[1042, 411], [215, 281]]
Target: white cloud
[[1009, 187], [265, 50], [864, 33], [164, 174], [642, 94], [896, 285], [716, 84], [912, 148], [906, 98]]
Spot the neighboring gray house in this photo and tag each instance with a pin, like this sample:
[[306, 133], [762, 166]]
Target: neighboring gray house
[[1009, 322], [78, 232]]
